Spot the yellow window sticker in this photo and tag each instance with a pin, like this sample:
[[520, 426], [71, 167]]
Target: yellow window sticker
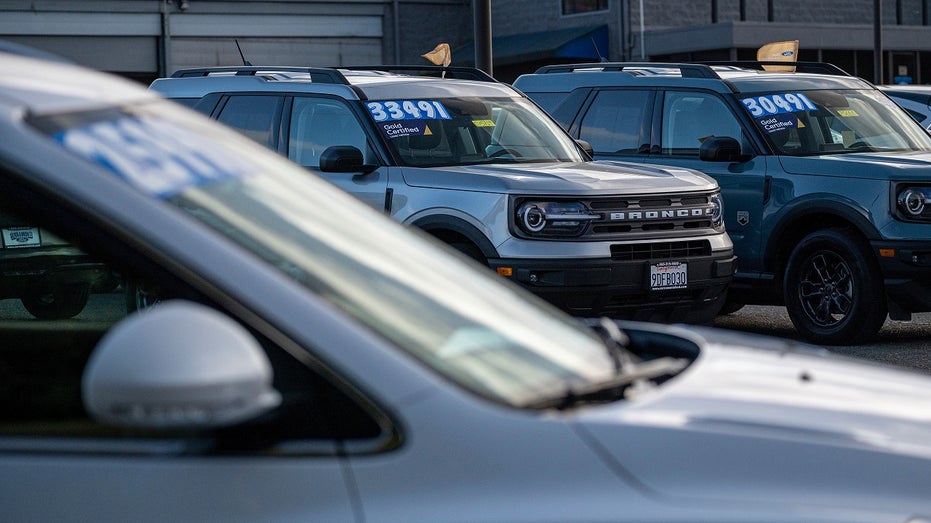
[[483, 123], [847, 112]]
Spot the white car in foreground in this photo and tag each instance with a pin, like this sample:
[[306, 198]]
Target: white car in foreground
[[277, 351]]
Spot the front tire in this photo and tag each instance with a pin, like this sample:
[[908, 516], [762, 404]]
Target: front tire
[[57, 303], [833, 288]]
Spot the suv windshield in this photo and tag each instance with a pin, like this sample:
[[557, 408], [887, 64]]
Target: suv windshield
[[816, 122], [463, 323], [466, 131]]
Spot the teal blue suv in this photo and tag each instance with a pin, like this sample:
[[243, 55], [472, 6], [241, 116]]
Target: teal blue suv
[[826, 181]]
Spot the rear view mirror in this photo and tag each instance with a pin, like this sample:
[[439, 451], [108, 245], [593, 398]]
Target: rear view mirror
[[178, 365]]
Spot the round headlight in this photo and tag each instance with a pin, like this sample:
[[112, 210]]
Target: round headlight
[[717, 208], [532, 218], [912, 201]]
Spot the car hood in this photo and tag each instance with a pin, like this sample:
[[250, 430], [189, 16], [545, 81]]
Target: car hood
[[875, 166], [571, 178], [776, 425]]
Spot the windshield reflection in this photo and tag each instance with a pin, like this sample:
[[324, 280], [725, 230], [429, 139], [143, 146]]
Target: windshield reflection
[[464, 322], [469, 131], [818, 122]]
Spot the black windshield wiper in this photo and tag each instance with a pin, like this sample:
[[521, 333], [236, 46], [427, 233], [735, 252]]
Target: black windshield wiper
[[631, 373]]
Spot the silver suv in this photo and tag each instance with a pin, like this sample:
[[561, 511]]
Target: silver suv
[[479, 166]]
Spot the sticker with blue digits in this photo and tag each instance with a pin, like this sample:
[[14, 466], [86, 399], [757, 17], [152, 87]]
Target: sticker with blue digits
[[157, 157], [407, 110], [769, 104]]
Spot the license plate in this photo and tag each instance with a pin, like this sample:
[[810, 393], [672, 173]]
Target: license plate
[[669, 275], [18, 237]]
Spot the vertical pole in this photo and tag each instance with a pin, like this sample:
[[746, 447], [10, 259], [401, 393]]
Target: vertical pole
[[396, 37], [714, 11], [643, 40], [482, 20], [877, 41], [164, 58]]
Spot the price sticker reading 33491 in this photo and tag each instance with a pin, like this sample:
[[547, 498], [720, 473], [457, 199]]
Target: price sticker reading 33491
[[408, 110]]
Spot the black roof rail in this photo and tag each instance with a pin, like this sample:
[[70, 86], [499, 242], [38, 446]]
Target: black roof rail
[[317, 74], [688, 70], [802, 67], [458, 72]]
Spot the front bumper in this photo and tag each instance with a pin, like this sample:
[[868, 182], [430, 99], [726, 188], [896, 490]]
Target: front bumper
[[620, 288], [906, 270]]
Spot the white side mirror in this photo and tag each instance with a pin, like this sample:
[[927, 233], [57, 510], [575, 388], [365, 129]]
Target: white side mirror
[[178, 365]]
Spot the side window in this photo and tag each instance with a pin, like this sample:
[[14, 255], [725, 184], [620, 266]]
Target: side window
[[689, 118], [613, 123], [318, 123], [256, 116], [58, 302]]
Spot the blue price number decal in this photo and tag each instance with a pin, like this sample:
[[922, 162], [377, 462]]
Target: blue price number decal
[[407, 110], [777, 104]]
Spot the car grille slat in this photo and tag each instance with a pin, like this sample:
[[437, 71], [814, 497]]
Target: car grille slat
[[660, 250]]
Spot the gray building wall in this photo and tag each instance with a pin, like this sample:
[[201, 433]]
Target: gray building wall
[[149, 38], [146, 38]]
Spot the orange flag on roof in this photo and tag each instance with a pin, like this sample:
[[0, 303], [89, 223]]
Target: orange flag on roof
[[440, 55], [786, 51]]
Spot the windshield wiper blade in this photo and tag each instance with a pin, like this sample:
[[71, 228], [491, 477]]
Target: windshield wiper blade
[[632, 374], [620, 386]]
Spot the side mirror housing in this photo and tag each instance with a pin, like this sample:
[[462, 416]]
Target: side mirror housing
[[344, 159], [586, 148], [721, 149], [178, 365]]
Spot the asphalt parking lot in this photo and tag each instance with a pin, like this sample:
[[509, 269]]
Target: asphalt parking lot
[[899, 343]]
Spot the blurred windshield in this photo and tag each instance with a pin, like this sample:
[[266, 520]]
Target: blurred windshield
[[817, 122], [467, 131], [463, 322]]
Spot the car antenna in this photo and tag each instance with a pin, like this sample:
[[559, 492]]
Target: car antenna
[[244, 61], [597, 51]]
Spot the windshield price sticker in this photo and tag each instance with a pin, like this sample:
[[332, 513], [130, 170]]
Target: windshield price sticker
[[669, 275], [157, 157], [402, 128], [408, 110], [770, 104]]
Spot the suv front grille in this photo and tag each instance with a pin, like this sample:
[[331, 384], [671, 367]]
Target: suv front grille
[[650, 214], [660, 250]]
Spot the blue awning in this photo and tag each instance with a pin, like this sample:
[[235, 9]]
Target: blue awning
[[588, 43]]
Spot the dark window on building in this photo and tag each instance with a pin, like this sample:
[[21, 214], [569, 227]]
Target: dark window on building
[[571, 7]]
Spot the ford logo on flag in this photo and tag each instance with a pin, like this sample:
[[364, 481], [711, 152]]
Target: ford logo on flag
[[788, 53]]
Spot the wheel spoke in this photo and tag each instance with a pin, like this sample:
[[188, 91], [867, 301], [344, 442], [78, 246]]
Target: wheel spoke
[[826, 290]]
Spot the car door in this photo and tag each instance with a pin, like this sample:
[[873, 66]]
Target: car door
[[59, 464], [314, 123], [667, 128]]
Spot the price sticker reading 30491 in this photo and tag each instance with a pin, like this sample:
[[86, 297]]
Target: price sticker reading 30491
[[408, 110], [770, 104]]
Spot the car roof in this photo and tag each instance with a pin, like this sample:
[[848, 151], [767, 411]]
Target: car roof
[[918, 93], [35, 86], [361, 82], [719, 76]]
